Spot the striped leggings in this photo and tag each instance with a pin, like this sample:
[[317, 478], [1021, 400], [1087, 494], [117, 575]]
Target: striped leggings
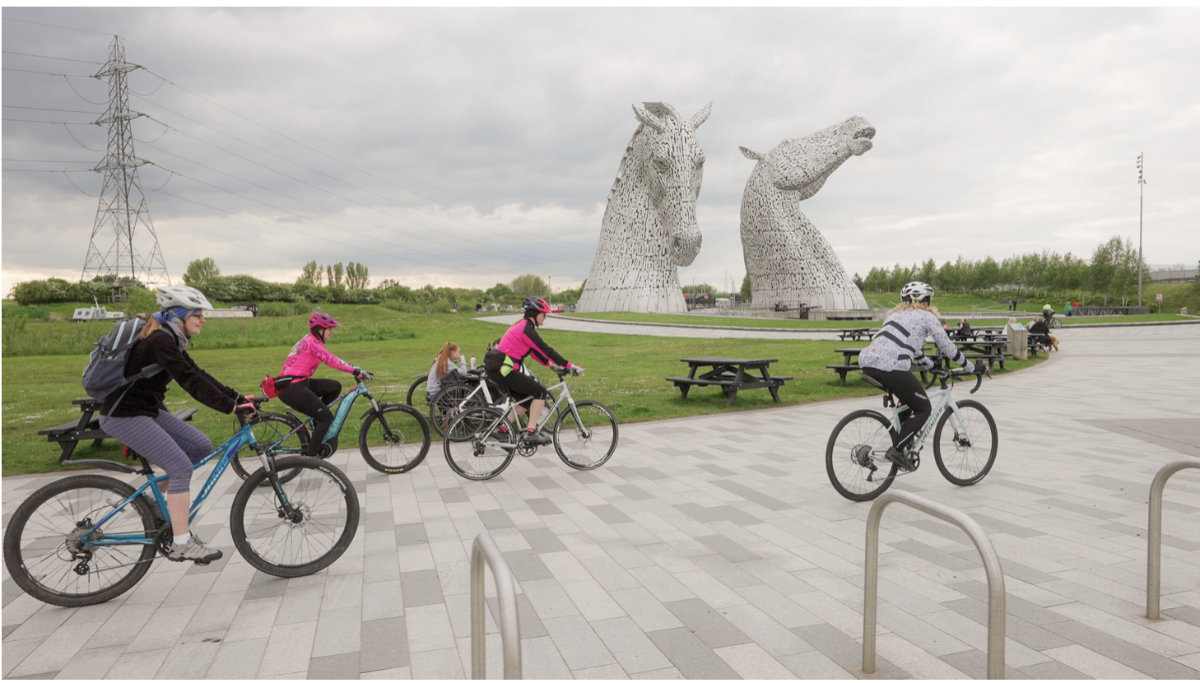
[[166, 441]]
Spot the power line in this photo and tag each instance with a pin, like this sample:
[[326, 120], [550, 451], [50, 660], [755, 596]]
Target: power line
[[64, 59]]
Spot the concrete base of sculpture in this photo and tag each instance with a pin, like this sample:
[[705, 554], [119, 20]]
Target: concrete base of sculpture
[[787, 259], [649, 226]]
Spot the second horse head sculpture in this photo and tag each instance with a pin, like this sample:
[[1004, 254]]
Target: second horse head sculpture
[[787, 260]]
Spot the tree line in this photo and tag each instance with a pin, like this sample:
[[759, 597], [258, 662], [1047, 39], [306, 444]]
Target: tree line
[[317, 284], [1111, 272]]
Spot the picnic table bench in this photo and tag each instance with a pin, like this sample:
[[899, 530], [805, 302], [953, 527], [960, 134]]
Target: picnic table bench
[[68, 434], [848, 365], [731, 375]]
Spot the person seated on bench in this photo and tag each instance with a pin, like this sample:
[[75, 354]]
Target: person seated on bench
[[443, 365], [893, 350], [1040, 332], [963, 331], [138, 418]]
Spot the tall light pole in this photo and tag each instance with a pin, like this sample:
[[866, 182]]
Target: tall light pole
[[1141, 201]]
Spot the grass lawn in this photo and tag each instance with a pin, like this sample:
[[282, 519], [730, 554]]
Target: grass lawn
[[626, 373]]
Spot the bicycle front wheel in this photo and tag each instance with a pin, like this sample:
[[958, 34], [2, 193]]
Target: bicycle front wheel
[[967, 450], [480, 443], [47, 556], [585, 435], [306, 534], [395, 439], [855, 456], [273, 431]]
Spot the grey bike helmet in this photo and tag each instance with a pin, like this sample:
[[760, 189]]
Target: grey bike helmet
[[916, 291], [187, 297]]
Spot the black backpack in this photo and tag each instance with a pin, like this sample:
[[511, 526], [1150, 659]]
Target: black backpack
[[105, 371]]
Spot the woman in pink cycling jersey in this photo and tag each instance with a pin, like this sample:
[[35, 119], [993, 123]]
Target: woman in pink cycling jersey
[[503, 364], [309, 395]]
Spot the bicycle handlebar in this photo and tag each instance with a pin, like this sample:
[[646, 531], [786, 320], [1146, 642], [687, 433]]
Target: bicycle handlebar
[[943, 376]]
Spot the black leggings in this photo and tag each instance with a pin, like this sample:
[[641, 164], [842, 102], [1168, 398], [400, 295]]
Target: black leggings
[[312, 397], [519, 385], [909, 391]]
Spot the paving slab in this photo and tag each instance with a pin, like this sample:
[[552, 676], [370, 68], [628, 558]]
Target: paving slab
[[713, 547]]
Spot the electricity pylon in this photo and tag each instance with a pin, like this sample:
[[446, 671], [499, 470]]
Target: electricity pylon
[[122, 217]]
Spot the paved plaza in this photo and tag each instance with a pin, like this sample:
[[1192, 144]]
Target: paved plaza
[[714, 548]]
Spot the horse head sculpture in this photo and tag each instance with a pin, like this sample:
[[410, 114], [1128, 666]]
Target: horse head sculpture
[[649, 226], [787, 259]]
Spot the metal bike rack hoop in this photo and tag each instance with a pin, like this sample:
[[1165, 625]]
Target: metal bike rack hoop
[[991, 564], [484, 549], [1154, 534]]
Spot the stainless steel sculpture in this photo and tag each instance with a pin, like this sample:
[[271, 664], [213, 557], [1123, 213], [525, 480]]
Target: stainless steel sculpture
[[649, 226], [787, 259]]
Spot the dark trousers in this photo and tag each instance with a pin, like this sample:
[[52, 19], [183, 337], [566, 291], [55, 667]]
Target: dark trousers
[[312, 397], [909, 391]]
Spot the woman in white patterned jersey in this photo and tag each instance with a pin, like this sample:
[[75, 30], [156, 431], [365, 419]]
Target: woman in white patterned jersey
[[898, 344]]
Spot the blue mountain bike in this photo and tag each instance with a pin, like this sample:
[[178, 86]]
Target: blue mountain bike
[[88, 538]]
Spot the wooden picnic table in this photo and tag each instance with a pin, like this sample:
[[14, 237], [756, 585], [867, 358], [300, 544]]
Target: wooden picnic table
[[731, 374], [856, 333], [68, 434]]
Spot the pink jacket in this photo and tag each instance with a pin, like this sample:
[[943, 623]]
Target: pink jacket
[[308, 354]]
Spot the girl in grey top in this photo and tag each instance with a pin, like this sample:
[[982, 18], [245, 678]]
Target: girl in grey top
[[893, 350]]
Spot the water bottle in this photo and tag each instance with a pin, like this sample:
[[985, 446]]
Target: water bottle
[[472, 362]]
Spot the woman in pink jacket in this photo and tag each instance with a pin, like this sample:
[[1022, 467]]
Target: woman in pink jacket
[[307, 394]]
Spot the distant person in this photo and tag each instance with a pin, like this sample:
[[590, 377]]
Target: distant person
[[1047, 312], [1067, 310], [449, 361], [1039, 331], [964, 330], [893, 350], [308, 394], [138, 418]]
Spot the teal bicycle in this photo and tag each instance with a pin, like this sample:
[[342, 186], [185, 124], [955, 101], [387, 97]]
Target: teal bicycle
[[394, 437], [86, 539]]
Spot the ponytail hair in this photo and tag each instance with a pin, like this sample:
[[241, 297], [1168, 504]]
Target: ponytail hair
[[442, 364], [152, 325]]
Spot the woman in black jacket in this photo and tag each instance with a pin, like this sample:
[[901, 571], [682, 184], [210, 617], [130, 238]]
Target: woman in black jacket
[[138, 417]]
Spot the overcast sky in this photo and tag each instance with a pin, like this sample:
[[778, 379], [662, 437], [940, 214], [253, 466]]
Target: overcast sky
[[469, 146]]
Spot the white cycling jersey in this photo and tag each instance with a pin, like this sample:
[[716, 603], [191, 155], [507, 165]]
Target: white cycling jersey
[[899, 342]]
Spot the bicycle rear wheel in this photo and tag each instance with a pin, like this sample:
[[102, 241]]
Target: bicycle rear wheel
[[305, 536], [270, 430], [480, 443], [854, 456], [394, 440], [446, 405], [966, 452], [412, 389], [585, 437], [46, 557]]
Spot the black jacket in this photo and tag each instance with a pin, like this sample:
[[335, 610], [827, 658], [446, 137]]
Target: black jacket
[[145, 396]]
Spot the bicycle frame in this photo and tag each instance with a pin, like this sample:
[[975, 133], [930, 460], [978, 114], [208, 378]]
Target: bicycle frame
[[223, 454], [941, 400], [339, 417], [563, 399]]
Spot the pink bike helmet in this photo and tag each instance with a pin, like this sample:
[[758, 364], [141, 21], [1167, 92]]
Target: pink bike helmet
[[321, 320]]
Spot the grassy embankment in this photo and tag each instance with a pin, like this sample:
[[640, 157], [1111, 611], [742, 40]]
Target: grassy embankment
[[43, 361]]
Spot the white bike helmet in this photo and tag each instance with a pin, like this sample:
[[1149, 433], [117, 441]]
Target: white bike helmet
[[188, 297], [916, 291]]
